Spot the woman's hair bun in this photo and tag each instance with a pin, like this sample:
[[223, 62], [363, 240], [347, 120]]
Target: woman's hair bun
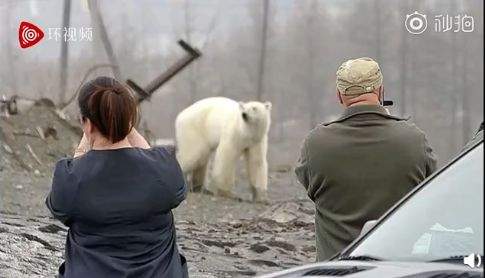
[[110, 106]]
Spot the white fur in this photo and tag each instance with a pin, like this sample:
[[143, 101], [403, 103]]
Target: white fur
[[216, 125]]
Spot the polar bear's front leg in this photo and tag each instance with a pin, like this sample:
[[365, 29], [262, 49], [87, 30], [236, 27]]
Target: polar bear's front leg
[[198, 177], [223, 172], [258, 170]]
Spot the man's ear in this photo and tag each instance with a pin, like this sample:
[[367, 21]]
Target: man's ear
[[339, 97], [381, 94], [268, 105]]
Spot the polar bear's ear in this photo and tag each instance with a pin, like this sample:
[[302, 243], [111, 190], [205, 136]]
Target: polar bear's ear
[[268, 105]]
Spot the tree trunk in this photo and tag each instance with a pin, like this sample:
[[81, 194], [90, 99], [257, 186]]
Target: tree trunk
[[9, 53], [64, 52], [403, 65], [465, 91], [262, 57], [311, 47], [97, 18], [378, 11], [188, 36], [454, 87]]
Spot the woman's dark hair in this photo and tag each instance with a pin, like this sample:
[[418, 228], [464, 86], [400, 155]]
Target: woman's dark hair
[[110, 106]]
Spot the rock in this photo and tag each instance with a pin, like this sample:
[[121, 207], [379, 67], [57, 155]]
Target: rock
[[27, 252], [51, 228], [284, 212], [28, 151], [33, 246], [32, 135], [263, 262], [309, 248], [259, 248], [282, 168], [7, 149], [282, 244], [220, 244]]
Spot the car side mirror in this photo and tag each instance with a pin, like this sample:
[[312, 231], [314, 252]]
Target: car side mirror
[[368, 226]]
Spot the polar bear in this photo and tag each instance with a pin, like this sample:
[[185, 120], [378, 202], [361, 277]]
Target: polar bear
[[229, 129]]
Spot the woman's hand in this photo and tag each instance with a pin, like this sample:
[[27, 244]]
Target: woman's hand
[[136, 140], [83, 146]]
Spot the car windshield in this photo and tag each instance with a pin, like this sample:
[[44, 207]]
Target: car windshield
[[442, 220]]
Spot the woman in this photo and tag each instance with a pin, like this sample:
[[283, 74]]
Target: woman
[[117, 193]]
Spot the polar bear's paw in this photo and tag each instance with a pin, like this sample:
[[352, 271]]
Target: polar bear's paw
[[196, 188], [260, 197], [225, 193], [229, 195]]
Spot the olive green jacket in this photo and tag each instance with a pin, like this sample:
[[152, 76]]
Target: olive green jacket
[[357, 167]]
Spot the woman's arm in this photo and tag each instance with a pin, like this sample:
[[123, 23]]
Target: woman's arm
[[136, 140], [60, 200], [178, 186]]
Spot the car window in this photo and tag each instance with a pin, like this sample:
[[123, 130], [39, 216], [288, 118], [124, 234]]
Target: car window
[[443, 219]]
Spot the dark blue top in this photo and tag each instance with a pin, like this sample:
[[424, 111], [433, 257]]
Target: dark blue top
[[117, 204]]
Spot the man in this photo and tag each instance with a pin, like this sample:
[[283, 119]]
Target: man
[[358, 166]]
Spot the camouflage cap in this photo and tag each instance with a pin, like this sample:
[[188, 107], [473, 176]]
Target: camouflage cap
[[358, 76]]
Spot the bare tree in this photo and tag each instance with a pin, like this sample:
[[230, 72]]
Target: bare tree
[[437, 81], [9, 53], [403, 69], [465, 108], [262, 57], [188, 30], [97, 18], [311, 50], [64, 52], [454, 87], [194, 70], [465, 90], [378, 14]]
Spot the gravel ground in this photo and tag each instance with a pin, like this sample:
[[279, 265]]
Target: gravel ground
[[220, 237]]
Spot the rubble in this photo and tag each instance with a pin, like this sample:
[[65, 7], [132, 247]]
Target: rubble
[[33, 246], [31, 139]]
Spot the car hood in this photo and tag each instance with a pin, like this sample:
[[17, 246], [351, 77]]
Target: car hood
[[359, 269]]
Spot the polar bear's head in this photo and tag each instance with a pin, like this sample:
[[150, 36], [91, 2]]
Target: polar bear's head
[[256, 112]]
